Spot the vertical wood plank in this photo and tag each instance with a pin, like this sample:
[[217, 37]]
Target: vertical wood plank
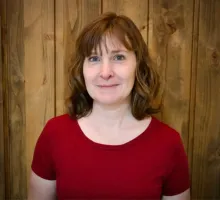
[[71, 16], [3, 125], [15, 103], [34, 91], [2, 152], [2, 157], [206, 151], [137, 10], [193, 91], [39, 70], [170, 41]]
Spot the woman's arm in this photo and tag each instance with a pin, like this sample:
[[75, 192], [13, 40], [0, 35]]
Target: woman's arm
[[183, 196], [41, 189]]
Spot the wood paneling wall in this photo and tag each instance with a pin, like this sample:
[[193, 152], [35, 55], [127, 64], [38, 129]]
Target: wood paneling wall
[[206, 146], [37, 39], [39, 69], [2, 151], [14, 101]]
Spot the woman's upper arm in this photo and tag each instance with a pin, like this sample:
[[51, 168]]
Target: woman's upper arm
[[40, 188], [182, 196]]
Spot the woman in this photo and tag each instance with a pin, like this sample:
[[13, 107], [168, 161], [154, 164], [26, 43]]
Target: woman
[[109, 146]]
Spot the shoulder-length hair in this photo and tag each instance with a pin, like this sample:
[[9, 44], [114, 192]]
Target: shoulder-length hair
[[146, 85]]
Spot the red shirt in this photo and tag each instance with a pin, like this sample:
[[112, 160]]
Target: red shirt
[[150, 166]]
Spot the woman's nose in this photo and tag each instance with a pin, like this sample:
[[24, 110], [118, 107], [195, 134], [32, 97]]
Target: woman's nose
[[106, 70]]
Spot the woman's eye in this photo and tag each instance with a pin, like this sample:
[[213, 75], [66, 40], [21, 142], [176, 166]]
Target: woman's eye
[[93, 59], [119, 57]]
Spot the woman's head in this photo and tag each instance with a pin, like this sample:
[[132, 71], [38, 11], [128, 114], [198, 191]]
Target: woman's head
[[111, 66]]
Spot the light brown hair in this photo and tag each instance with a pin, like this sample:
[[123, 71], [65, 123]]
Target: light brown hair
[[146, 84]]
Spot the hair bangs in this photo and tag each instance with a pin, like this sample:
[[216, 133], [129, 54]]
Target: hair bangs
[[95, 37], [118, 37]]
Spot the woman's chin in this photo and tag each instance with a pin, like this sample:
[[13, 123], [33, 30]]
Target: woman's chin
[[108, 101]]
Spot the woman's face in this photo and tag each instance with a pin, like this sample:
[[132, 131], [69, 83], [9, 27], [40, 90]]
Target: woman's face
[[110, 74]]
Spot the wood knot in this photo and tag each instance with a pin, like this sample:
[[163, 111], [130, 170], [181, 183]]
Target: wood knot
[[143, 27], [44, 80], [217, 153], [215, 59], [214, 158], [48, 36], [172, 27]]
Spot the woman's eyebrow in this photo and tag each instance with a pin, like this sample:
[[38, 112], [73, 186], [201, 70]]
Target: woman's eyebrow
[[111, 52], [118, 51]]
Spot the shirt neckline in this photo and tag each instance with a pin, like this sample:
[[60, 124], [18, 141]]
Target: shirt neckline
[[135, 140]]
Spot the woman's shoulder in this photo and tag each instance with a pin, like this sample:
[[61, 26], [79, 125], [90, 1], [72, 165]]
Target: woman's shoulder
[[60, 120], [59, 124], [165, 131]]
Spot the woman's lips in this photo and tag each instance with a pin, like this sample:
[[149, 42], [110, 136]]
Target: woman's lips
[[108, 86]]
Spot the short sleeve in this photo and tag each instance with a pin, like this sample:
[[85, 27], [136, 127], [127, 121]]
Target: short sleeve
[[178, 178], [42, 163]]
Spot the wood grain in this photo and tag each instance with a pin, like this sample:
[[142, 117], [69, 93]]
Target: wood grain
[[37, 43], [4, 183], [194, 56], [206, 147], [15, 106], [39, 71], [137, 10], [2, 151], [170, 41], [71, 16]]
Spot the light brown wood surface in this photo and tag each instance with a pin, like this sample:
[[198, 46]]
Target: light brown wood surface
[[192, 102], [206, 146], [3, 56], [14, 113], [170, 41], [38, 39], [137, 10], [2, 156], [39, 70]]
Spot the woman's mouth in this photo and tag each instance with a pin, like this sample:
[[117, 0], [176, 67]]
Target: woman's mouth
[[108, 86]]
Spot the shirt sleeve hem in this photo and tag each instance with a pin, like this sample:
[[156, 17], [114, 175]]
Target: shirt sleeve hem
[[176, 192], [41, 174]]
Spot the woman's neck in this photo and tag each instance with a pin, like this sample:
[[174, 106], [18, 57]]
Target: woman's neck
[[111, 116]]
